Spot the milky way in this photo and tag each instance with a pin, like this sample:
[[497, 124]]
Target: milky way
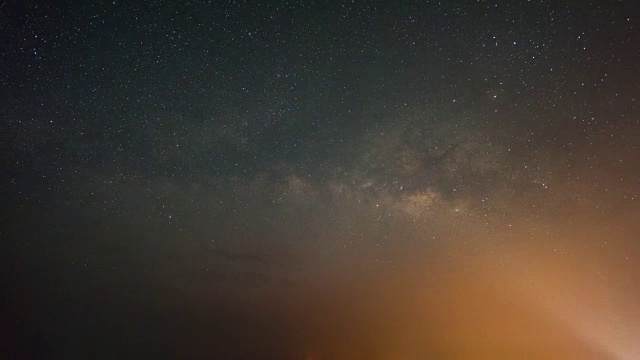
[[285, 180]]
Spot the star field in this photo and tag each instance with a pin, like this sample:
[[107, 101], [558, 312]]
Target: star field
[[333, 180]]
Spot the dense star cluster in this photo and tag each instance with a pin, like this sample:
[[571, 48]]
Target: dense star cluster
[[333, 180]]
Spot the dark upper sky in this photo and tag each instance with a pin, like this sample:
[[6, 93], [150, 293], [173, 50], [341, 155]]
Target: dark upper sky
[[286, 180]]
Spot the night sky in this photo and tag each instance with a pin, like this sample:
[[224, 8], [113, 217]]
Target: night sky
[[320, 180]]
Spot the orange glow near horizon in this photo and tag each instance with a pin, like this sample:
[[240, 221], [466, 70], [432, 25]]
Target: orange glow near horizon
[[510, 302]]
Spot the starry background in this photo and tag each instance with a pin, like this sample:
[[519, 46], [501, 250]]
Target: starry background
[[334, 180]]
